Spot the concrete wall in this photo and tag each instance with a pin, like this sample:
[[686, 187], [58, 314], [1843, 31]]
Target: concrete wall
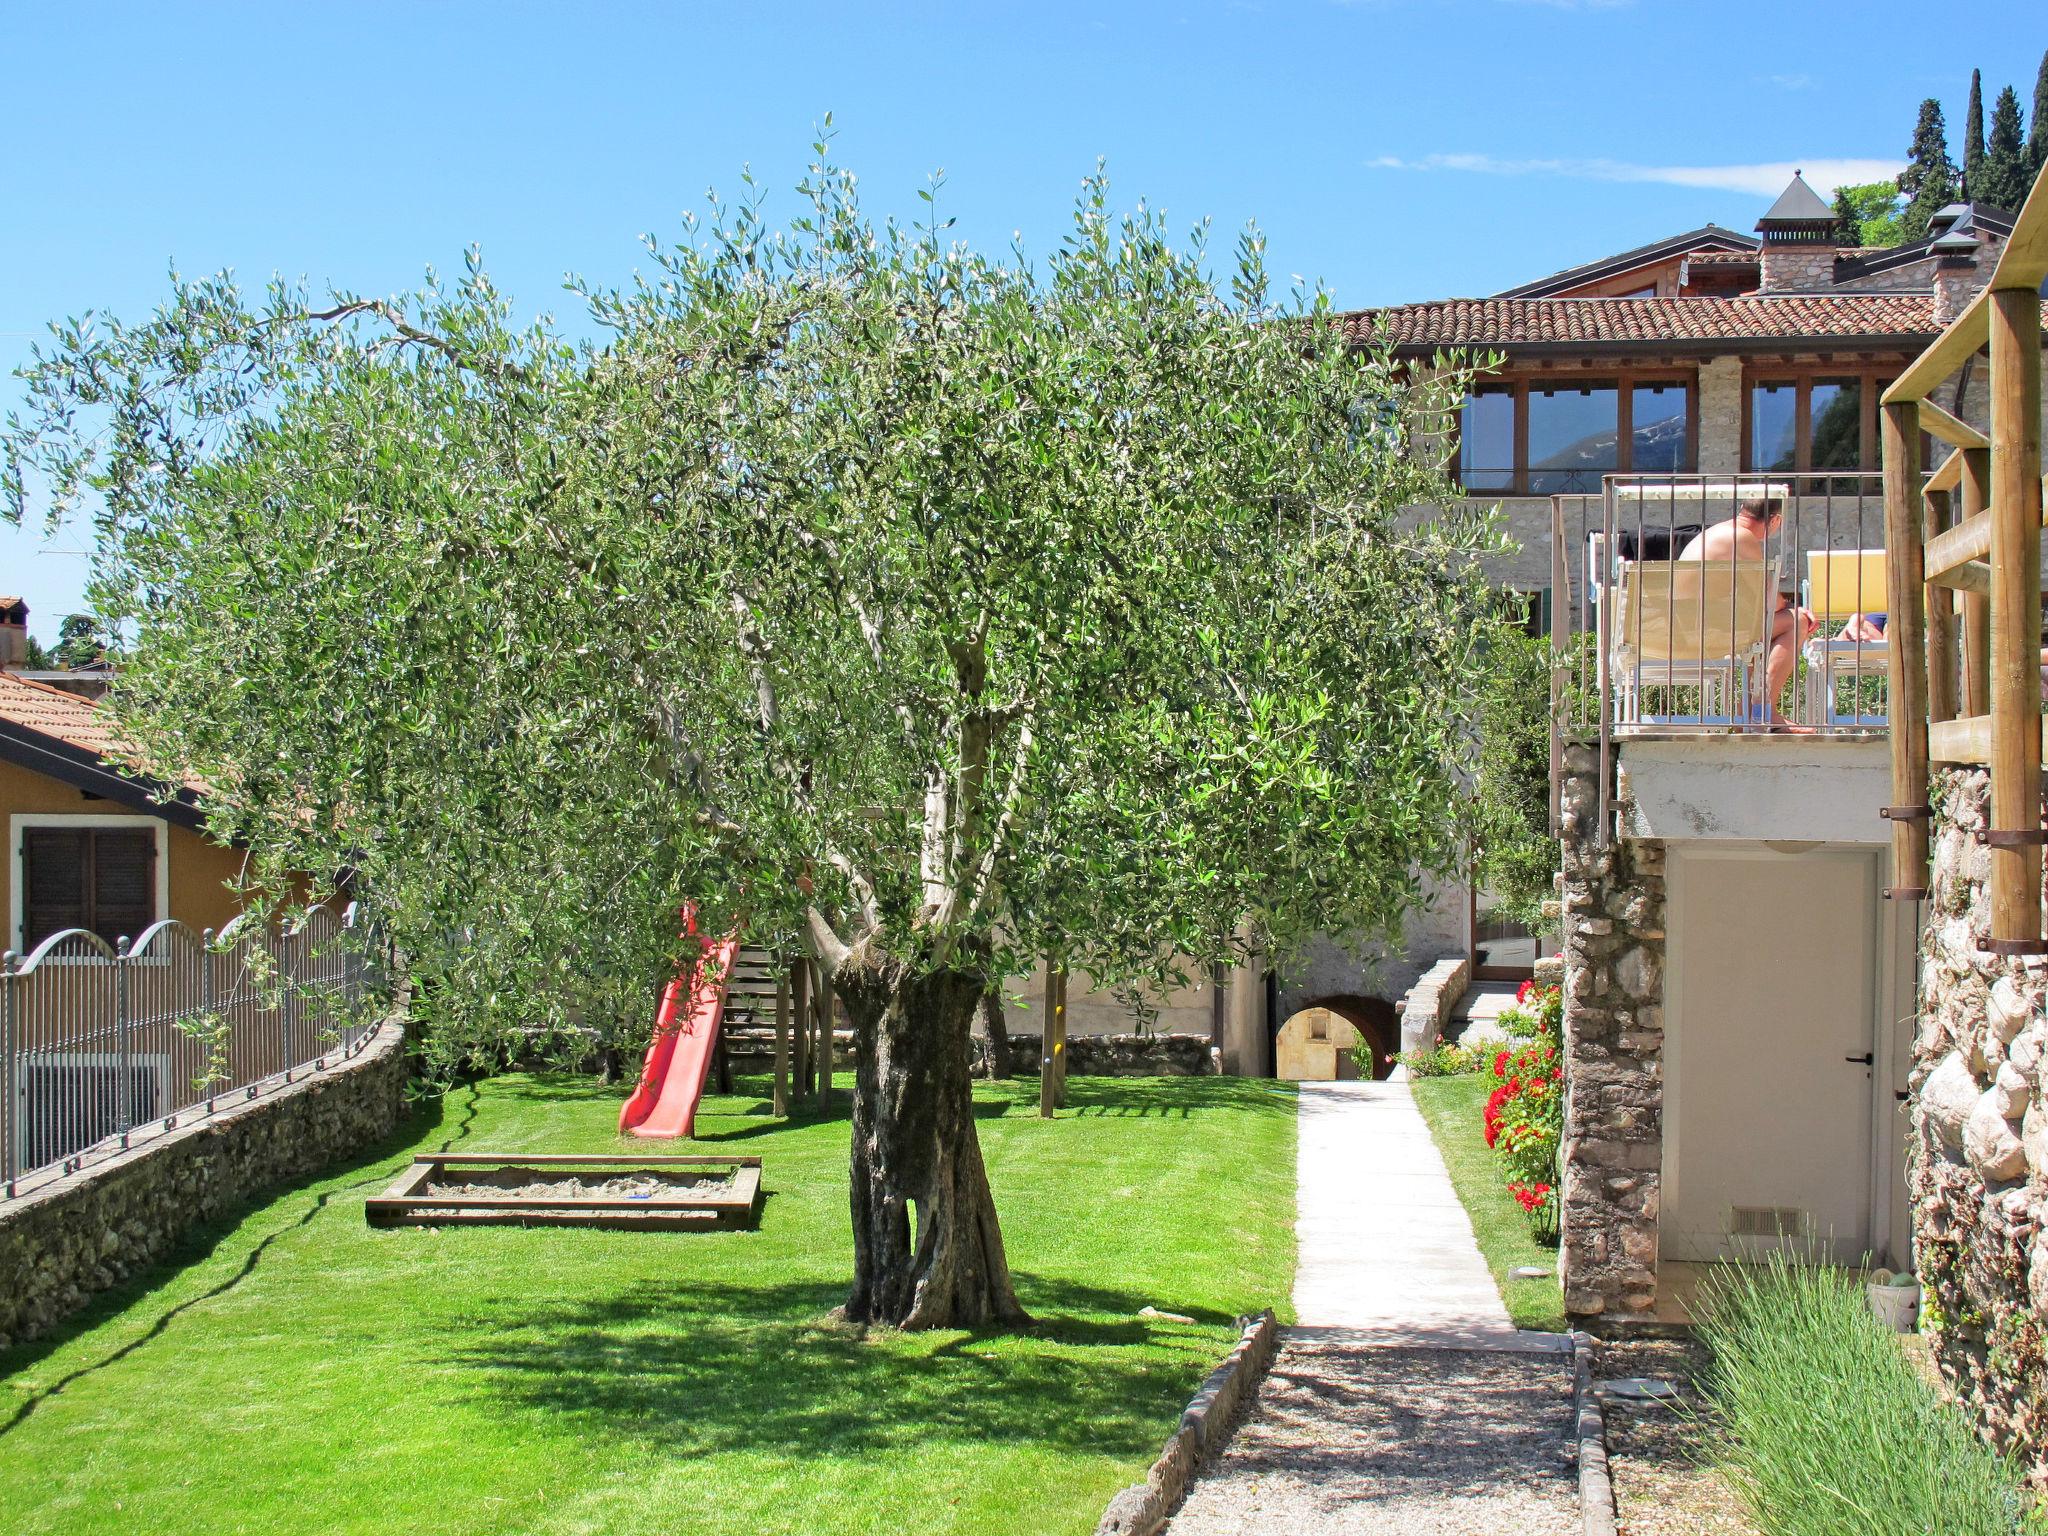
[[199, 869], [1757, 788], [68, 1240]]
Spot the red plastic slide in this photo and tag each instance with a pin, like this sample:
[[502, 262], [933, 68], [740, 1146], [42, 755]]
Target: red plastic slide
[[679, 1055]]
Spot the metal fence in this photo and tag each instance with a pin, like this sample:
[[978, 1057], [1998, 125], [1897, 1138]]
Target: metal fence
[[102, 1045]]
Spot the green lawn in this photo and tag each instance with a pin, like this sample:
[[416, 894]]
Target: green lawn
[[1454, 1107], [300, 1372]]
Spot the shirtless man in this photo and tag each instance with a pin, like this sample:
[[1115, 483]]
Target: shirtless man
[[1746, 537]]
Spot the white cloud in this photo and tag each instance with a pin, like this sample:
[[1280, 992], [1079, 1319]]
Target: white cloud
[[1767, 179], [1788, 82]]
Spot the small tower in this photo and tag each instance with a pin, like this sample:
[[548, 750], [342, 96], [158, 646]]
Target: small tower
[[1798, 241]]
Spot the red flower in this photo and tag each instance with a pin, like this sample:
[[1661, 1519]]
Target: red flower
[[1522, 992], [1500, 1065]]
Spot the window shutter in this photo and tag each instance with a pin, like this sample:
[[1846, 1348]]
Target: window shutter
[[54, 889], [124, 883]]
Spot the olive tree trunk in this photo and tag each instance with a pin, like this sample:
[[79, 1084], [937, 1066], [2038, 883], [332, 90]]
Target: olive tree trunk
[[1002, 1059], [927, 1251]]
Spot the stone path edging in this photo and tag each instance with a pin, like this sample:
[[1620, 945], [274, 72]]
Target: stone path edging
[[1596, 1484], [1143, 1508]]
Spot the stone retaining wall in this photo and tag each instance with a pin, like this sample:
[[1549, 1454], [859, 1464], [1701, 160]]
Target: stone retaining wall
[[1429, 1002], [1978, 1156], [1614, 1060], [64, 1242], [1110, 1055]]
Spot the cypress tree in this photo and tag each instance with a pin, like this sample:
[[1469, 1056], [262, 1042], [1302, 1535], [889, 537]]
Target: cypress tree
[[1929, 179], [1973, 135], [2007, 175], [2037, 142], [1848, 224]]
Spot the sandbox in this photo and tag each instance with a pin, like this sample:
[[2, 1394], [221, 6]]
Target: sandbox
[[637, 1193]]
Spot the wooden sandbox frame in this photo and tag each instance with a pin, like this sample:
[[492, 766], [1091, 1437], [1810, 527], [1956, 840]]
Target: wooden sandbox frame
[[406, 1203]]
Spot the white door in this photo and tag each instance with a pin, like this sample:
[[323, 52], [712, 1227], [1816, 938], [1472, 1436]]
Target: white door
[[1770, 1012]]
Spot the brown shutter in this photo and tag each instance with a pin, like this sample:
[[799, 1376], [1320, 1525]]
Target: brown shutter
[[124, 883], [55, 891]]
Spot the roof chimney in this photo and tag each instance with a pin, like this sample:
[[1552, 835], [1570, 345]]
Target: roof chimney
[[13, 632], [1798, 233]]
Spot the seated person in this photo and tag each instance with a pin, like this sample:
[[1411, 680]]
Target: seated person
[[1746, 537]]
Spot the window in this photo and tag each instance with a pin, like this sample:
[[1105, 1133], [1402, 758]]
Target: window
[[1574, 437], [1835, 407], [1813, 422], [1486, 439], [98, 873], [1660, 428], [1774, 426], [1549, 434]]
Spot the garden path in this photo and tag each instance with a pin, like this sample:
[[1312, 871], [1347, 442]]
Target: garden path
[[1402, 1400]]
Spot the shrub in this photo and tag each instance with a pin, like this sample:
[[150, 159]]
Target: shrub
[[1826, 1427], [1442, 1060], [1524, 1116]]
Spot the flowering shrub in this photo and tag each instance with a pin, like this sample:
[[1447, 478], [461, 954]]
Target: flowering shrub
[[1443, 1060], [1524, 1119]]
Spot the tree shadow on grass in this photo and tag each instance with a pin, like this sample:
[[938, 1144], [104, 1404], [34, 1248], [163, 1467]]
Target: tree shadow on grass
[[197, 1245], [709, 1369], [1176, 1097]]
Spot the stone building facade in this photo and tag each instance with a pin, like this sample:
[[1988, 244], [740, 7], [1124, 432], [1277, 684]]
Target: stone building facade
[[1979, 1148], [1613, 901]]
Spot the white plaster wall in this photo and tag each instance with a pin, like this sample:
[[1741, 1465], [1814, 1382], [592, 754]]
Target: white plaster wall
[[1758, 788]]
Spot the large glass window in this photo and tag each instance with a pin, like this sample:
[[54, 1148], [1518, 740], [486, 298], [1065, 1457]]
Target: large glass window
[[1574, 437], [1659, 429], [1486, 439], [1774, 425], [1836, 410]]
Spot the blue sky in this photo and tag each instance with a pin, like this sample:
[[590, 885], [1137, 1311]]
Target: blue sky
[[1396, 149]]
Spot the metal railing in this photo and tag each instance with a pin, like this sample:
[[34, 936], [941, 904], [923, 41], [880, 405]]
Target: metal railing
[[102, 1045], [1785, 630]]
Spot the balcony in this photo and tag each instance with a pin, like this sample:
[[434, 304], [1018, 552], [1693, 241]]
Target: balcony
[[1687, 604]]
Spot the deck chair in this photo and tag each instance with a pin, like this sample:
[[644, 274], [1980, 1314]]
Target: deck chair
[[1697, 624], [1839, 583]]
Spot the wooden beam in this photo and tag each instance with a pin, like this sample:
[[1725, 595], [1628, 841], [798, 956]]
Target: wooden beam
[[1966, 740], [1906, 648], [1969, 540], [1943, 656], [1971, 576], [1948, 472], [800, 1025], [2024, 263], [1946, 427], [821, 1005], [1945, 356], [2014, 325], [1974, 489]]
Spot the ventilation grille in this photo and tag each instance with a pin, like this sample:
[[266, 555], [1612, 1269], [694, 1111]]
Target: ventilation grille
[[1766, 1221]]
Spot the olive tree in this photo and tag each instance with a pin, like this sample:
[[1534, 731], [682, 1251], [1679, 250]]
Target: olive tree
[[924, 610]]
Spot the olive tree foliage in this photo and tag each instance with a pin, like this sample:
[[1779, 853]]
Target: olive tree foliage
[[924, 610]]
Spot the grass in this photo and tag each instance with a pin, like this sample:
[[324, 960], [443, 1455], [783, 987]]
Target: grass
[[1826, 1427], [298, 1371], [1453, 1106]]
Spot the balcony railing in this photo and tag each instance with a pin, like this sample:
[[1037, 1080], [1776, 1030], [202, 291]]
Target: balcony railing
[[1720, 604]]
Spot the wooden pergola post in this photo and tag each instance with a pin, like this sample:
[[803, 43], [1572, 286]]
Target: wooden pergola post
[[2015, 837], [800, 1022], [1052, 1065], [1975, 490], [781, 1095], [1906, 649], [821, 1004]]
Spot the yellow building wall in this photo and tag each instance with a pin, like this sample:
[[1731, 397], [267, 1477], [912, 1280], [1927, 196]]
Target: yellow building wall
[[199, 869]]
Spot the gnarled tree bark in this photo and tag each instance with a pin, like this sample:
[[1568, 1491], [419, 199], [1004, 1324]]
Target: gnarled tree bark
[[928, 1252]]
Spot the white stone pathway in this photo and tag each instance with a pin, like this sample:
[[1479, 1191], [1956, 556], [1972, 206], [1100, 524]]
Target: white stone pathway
[[1402, 1401], [1385, 1246]]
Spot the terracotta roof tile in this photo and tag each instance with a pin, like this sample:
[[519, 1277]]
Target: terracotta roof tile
[[1510, 322], [1723, 258], [65, 717]]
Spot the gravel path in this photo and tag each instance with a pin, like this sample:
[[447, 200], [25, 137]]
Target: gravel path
[[1349, 1436], [1405, 1401]]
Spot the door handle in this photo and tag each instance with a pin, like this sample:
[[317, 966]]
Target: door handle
[[1865, 1060]]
